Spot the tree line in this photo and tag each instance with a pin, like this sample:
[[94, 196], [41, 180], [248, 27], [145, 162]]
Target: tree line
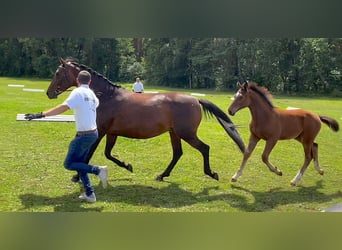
[[284, 65]]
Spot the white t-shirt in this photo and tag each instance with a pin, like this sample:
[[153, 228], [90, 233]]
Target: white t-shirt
[[83, 102], [138, 87]]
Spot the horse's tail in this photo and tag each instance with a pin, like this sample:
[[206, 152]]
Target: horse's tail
[[223, 119], [332, 123]]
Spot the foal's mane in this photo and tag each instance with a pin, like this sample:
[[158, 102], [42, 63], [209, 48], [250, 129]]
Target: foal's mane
[[262, 92], [91, 71]]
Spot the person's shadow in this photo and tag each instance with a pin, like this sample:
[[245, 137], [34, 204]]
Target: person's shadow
[[172, 196]]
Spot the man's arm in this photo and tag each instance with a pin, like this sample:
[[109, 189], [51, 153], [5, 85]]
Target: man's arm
[[56, 110]]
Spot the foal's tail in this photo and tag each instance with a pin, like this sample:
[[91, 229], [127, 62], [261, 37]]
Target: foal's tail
[[332, 123], [223, 119]]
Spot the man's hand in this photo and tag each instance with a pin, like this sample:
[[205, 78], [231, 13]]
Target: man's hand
[[34, 116]]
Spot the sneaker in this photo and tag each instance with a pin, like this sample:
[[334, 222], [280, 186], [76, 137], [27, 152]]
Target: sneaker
[[103, 175], [91, 198]]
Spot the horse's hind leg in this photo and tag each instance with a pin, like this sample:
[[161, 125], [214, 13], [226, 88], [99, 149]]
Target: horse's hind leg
[[204, 149], [177, 153], [110, 142], [315, 158]]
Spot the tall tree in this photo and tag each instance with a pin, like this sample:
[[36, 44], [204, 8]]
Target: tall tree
[[128, 70]]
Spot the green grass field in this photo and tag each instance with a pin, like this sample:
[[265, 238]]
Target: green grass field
[[33, 177]]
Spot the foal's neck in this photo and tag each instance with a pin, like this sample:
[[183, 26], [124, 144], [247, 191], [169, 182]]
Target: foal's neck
[[259, 108]]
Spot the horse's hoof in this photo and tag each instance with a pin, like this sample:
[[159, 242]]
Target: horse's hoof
[[75, 178], [277, 171], [233, 180], [159, 178], [129, 168], [215, 176], [321, 172], [293, 184]]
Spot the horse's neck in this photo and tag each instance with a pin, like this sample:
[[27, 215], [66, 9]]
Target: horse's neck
[[259, 108], [101, 85]]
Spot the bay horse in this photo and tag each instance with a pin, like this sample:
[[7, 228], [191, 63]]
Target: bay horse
[[272, 124], [141, 116]]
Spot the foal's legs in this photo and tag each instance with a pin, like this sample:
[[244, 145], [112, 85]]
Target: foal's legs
[[177, 153], [308, 151], [315, 158], [268, 148], [252, 143], [110, 142]]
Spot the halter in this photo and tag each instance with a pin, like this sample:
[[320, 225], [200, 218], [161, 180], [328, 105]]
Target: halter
[[65, 76]]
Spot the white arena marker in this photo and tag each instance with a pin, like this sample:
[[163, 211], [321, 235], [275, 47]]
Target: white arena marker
[[334, 208], [16, 85], [33, 90], [292, 108], [151, 92], [55, 118], [197, 94]]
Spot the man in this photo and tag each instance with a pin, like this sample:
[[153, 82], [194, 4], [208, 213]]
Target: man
[[83, 102], [138, 87]]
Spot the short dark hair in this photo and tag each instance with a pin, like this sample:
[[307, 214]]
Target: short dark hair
[[84, 77]]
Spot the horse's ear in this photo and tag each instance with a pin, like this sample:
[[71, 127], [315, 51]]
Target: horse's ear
[[245, 85], [238, 84], [63, 62]]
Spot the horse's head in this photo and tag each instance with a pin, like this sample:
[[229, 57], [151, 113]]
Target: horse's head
[[241, 99], [64, 78]]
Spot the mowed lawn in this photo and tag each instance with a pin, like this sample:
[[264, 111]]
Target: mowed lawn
[[33, 177]]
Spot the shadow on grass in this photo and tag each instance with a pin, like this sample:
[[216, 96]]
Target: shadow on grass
[[170, 196], [267, 201], [64, 203], [173, 197]]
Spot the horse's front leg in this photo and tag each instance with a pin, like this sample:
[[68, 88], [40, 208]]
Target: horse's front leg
[[110, 142], [265, 155], [253, 140], [177, 153]]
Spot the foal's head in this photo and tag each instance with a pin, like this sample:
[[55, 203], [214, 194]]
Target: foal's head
[[242, 98], [65, 77]]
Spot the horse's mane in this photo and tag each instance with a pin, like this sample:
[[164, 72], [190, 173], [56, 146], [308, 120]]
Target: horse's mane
[[262, 91], [74, 62]]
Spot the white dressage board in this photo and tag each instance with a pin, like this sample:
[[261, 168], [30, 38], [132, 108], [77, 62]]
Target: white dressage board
[[197, 94], [25, 89], [334, 208], [33, 90], [16, 85], [55, 118]]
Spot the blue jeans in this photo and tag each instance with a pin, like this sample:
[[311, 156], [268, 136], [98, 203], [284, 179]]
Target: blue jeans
[[75, 160]]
